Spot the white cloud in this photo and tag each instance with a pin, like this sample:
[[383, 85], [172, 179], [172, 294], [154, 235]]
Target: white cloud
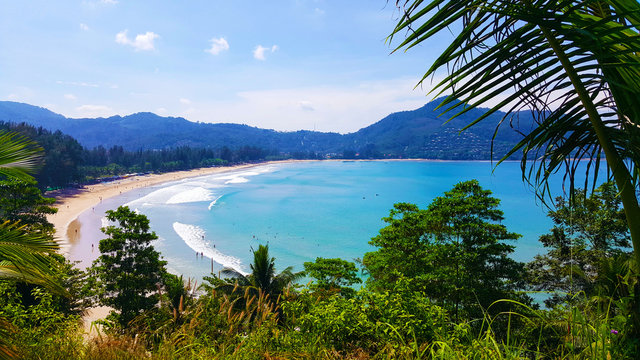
[[84, 27], [185, 101], [162, 111], [318, 11], [218, 46], [306, 105], [93, 111], [70, 97], [110, 2], [13, 97], [260, 51], [142, 42]]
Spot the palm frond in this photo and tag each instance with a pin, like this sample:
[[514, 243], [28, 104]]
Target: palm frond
[[19, 156], [502, 50], [27, 257]]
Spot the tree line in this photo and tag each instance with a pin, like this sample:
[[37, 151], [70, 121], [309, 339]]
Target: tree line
[[66, 162]]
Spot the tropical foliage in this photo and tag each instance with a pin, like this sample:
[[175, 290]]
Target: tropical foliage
[[455, 251], [585, 234], [129, 271], [576, 64], [24, 256], [263, 277], [441, 285]]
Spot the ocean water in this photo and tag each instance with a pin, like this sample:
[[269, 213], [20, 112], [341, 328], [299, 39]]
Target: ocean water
[[308, 209]]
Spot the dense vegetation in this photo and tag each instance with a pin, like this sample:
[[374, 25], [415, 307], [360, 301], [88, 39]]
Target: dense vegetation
[[440, 285], [66, 162]]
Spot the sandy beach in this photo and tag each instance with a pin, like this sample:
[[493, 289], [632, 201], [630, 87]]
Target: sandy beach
[[73, 202]]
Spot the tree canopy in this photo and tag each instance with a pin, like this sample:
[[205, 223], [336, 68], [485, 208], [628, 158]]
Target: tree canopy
[[263, 276], [454, 250], [129, 270], [586, 232], [333, 275]]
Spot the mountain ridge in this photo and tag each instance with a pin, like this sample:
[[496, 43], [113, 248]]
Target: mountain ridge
[[419, 133]]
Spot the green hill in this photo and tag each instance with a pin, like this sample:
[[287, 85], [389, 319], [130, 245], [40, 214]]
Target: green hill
[[421, 133]]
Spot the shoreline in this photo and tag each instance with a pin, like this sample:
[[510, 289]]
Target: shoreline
[[74, 230], [71, 203]]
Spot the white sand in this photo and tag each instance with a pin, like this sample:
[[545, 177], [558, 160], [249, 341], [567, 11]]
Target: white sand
[[73, 202]]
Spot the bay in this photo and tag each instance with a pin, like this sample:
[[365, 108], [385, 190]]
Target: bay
[[305, 210]]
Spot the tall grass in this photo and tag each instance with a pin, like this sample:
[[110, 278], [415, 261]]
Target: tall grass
[[247, 325]]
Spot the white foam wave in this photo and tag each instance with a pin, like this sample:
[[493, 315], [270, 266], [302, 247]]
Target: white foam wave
[[214, 202], [237, 180], [159, 196], [237, 175], [191, 195], [194, 237]]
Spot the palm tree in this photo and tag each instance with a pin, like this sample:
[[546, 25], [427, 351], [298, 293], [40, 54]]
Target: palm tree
[[263, 275], [574, 64], [24, 256]]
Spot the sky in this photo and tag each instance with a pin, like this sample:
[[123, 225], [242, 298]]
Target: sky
[[285, 65]]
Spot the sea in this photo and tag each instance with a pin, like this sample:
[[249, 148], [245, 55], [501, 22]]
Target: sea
[[305, 210]]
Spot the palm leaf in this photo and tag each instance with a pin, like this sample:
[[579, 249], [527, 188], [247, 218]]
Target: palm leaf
[[263, 275], [27, 257], [493, 55], [575, 65], [19, 156]]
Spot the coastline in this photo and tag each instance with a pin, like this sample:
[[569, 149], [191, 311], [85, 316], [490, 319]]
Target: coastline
[[77, 227], [73, 202]]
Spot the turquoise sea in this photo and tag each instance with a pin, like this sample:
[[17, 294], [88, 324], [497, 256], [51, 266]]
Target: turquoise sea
[[305, 210]]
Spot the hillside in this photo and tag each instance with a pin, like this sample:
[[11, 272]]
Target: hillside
[[420, 133], [425, 133]]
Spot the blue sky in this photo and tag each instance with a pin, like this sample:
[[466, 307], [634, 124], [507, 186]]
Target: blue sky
[[284, 65]]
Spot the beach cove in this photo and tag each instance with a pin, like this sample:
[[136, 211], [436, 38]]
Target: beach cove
[[301, 209], [72, 202]]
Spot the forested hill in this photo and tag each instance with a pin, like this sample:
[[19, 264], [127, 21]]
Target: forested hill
[[409, 134], [425, 133]]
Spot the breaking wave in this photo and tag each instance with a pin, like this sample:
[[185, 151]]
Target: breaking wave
[[191, 195], [194, 237]]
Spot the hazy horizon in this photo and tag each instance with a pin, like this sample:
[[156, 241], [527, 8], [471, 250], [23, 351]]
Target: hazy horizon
[[373, 121]]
